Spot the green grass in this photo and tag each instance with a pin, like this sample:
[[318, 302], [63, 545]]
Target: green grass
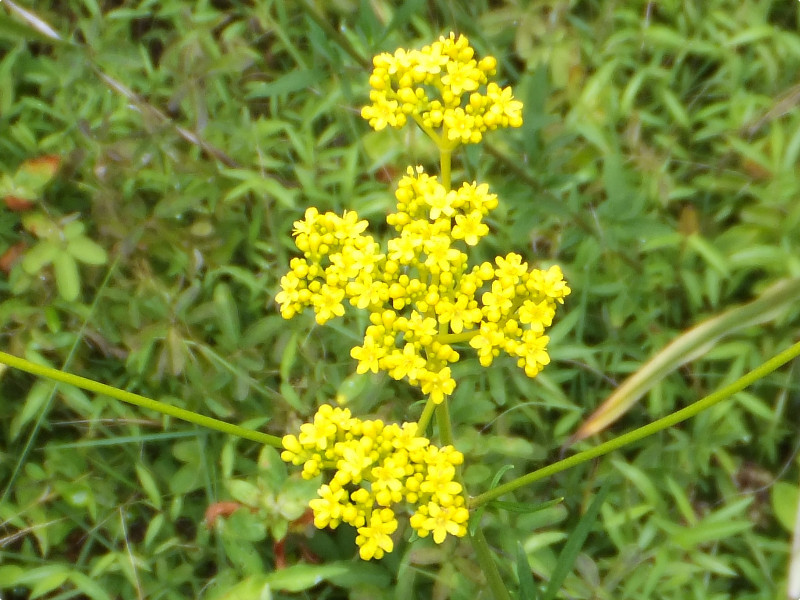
[[657, 164]]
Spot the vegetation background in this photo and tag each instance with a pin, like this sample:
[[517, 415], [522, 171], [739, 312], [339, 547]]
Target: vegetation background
[[658, 164]]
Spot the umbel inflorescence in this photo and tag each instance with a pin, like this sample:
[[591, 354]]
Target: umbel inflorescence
[[442, 87], [423, 299], [421, 294], [371, 468]]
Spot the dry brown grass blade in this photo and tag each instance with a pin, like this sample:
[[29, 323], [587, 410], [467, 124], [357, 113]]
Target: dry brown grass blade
[[784, 104], [34, 21], [690, 345]]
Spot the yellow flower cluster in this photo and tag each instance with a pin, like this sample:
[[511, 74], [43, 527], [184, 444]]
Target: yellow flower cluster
[[371, 468], [421, 294], [440, 87]]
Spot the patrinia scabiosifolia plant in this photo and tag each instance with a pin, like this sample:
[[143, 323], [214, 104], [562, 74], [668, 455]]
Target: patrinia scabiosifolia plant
[[423, 299]]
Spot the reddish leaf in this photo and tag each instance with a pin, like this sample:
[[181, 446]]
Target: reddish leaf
[[10, 256], [17, 204], [220, 509], [42, 166]]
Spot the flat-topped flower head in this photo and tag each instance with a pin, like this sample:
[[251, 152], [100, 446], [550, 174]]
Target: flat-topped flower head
[[422, 295], [374, 471], [442, 87]]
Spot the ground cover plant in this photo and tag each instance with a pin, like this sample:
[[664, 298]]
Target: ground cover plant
[[154, 161]]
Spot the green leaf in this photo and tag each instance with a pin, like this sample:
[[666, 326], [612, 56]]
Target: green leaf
[[786, 504], [149, 485], [527, 587], [243, 555], [33, 176], [574, 543], [297, 578], [273, 471], [40, 255], [286, 84], [40, 225], [76, 399], [185, 479], [87, 251], [474, 521], [50, 582], [67, 277], [73, 230], [709, 253], [704, 532], [512, 446], [153, 529], [42, 579], [88, 586], [227, 313], [361, 574], [10, 575], [244, 492], [524, 507], [251, 588], [245, 525], [753, 34], [35, 401]]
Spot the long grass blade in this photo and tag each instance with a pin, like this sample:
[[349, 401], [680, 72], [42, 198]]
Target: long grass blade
[[574, 543], [687, 347]]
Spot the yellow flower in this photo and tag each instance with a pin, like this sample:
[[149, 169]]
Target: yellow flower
[[462, 77], [368, 355], [437, 385], [405, 363], [328, 303], [328, 507], [470, 228], [442, 520], [373, 540]]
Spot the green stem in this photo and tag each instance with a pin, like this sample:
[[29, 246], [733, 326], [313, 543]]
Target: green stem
[[457, 338], [488, 566], [638, 434], [425, 417], [428, 131], [45, 410], [131, 398], [443, 421], [445, 156]]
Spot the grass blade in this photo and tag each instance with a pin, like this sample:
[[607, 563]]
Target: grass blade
[[574, 543]]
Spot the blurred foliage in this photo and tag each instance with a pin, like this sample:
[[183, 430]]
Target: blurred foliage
[[657, 165]]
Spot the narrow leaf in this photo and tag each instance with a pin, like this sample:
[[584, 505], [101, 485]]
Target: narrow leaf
[[575, 542], [67, 277], [149, 485], [524, 507], [527, 587]]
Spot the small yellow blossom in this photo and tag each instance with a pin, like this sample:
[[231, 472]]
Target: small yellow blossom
[[373, 540], [442, 520]]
